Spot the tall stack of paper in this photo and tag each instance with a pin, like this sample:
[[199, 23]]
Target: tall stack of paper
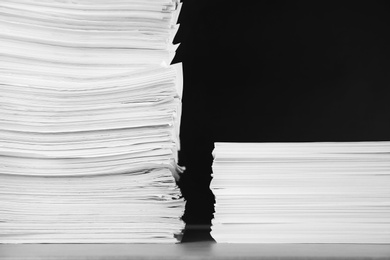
[[302, 192], [89, 121]]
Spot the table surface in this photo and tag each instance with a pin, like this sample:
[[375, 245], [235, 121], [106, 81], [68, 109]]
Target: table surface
[[194, 250]]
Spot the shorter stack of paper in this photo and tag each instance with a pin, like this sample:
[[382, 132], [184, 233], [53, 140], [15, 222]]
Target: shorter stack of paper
[[302, 192]]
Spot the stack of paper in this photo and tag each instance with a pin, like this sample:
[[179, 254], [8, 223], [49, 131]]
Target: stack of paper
[[302, 192], [89, 125]]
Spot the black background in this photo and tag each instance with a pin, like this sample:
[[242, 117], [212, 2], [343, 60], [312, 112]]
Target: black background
[[277, 71]]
